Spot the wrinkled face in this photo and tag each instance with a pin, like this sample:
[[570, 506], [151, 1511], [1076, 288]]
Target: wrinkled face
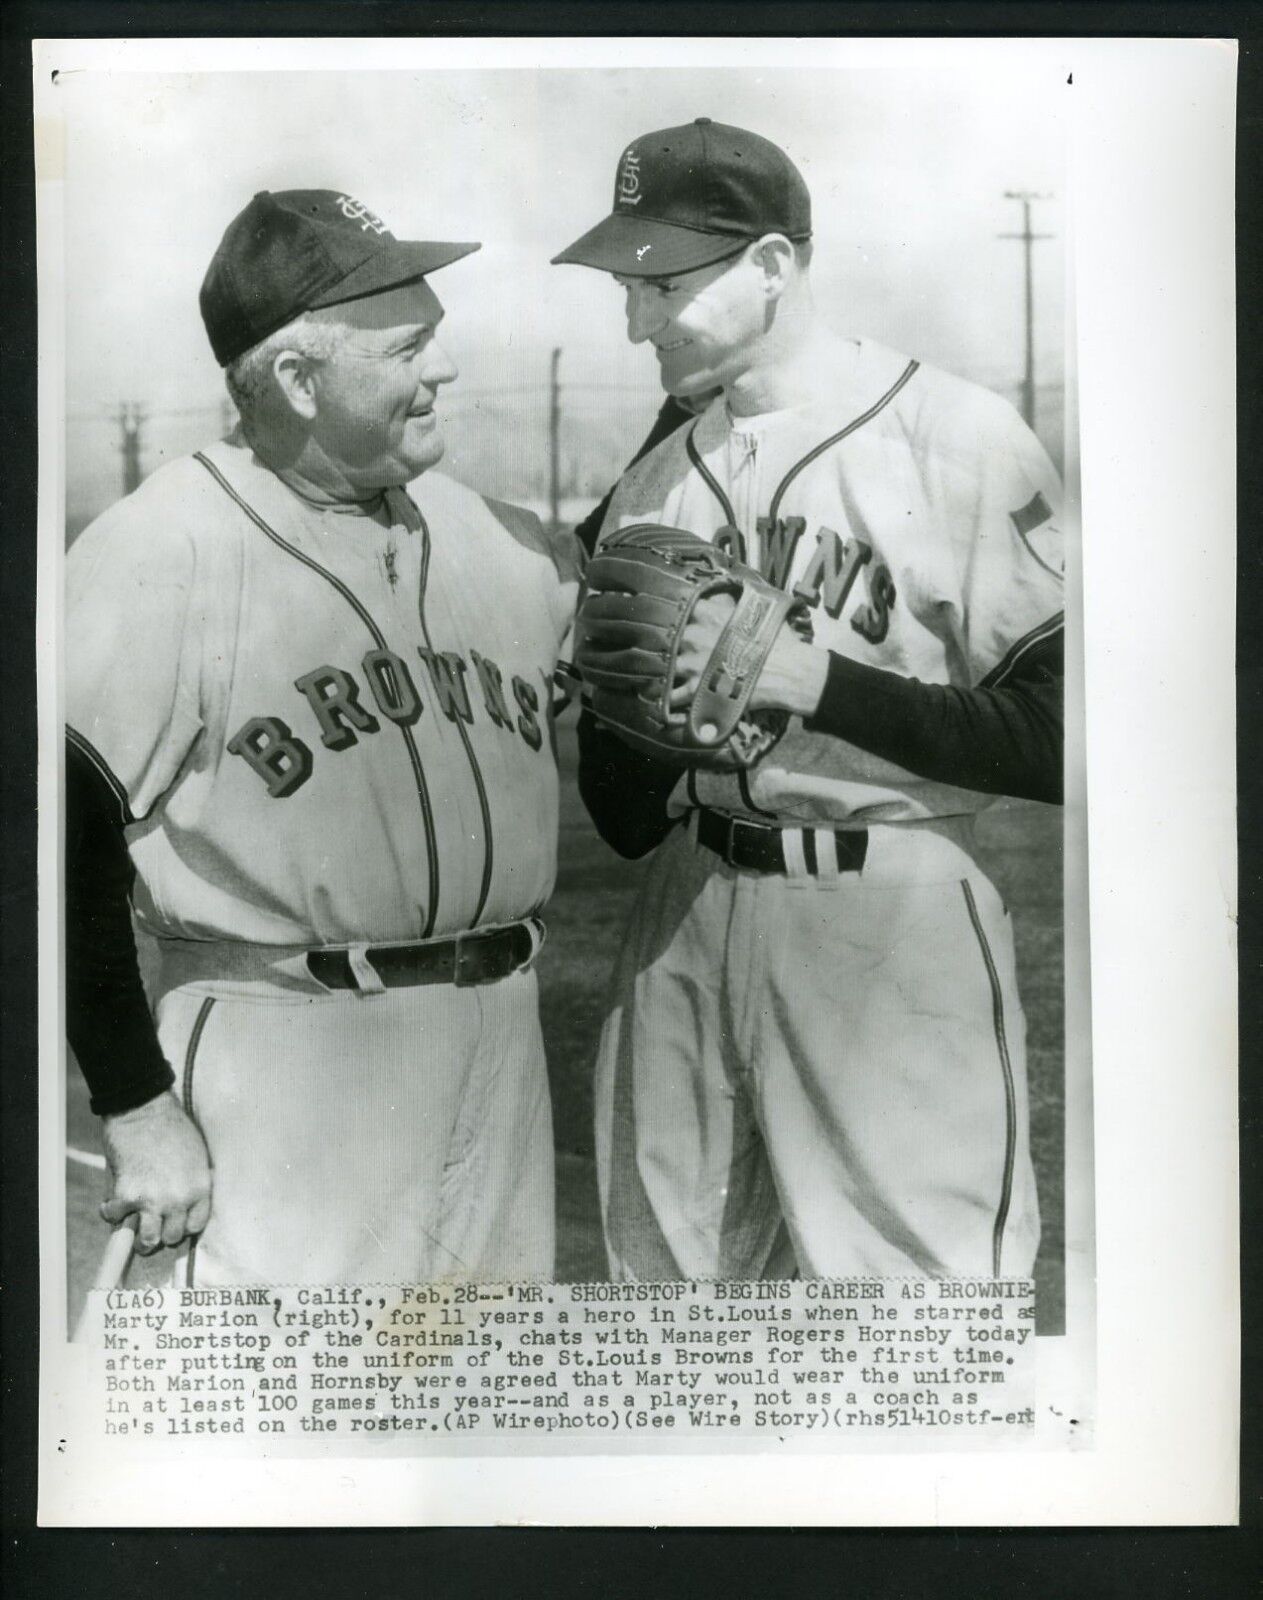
[[704, 325], [375, 394]]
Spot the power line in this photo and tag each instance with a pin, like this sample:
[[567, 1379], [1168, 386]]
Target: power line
[[576, 439], [1025, 197], [457, 400]]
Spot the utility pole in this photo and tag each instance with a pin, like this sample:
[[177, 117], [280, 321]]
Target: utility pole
[[1026, 196], [130, 419], [554, 441]]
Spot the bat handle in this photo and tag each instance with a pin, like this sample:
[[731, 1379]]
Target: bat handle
[[111, 1269]]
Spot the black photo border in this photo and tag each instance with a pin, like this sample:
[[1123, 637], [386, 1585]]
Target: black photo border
[[471, 1563]]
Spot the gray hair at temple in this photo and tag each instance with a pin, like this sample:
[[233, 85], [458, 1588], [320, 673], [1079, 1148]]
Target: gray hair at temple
[[250, 378]]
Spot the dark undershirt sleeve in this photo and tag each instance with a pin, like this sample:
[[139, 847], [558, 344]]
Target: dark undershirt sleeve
[[108, 1023], [669, 418], [1000, 739], [1005, 738], [626, 793]]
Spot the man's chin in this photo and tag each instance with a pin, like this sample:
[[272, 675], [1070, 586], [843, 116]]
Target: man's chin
[[696, 399], [397, 471], [421, 460], [689, 388]]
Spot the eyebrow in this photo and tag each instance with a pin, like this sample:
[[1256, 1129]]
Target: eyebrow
[[410, 335]]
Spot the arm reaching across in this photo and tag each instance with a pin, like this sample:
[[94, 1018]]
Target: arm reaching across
[[1004, 736]]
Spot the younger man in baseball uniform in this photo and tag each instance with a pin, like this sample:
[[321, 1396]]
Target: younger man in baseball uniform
[[307, 705], [814, 1056]]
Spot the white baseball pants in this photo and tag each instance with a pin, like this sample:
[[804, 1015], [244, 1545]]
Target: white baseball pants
[[399, 1137], [812, 1077]]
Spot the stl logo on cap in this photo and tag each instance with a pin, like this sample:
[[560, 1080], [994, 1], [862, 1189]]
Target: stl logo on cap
[[353, 211], [629, 179]]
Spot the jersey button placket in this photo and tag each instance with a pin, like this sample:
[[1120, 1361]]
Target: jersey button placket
[[744, 461]]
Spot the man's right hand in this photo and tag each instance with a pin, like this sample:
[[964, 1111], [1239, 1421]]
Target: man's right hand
[[161, 1172]]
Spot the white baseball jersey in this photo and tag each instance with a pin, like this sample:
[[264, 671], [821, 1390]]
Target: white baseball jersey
[[920, 518], [331, 728], [324, 727], [824, 1070]]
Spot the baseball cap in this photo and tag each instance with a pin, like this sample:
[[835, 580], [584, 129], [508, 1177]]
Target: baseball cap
[[299, 249], [686, 197]]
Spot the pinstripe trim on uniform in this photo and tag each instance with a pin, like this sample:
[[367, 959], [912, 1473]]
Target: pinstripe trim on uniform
[[418, 772], [481, 788], [708, 477], [1006, 1068], [98, 761], [1035, 556], [190, 1055], [825, 444], [828, 444], [1033, 515], [1018, 652], [743, 783]]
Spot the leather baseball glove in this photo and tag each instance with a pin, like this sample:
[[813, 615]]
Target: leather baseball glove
[[641, 588]]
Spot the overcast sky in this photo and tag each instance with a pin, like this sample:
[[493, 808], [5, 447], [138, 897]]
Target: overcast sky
[[907, 174]]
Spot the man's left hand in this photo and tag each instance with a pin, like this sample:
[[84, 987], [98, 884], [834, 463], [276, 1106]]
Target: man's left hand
[[793, 675]]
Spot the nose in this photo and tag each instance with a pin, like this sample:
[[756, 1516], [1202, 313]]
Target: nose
[[439, 366], [644, 316]]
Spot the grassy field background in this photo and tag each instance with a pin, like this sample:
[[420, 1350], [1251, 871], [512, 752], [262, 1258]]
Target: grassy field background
[[595, 890]]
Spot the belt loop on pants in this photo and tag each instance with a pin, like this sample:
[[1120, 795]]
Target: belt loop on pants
[[795, 852], [828, 867], [465, 960], [367, 978]]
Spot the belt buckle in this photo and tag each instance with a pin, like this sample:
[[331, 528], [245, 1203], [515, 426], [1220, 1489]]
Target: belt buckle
[[730, 835]]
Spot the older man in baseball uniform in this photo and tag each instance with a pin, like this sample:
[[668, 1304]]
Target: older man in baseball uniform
[[307, 704], [814, 1056]]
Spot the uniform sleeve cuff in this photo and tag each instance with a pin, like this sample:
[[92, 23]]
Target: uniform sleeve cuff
[[131, 1096], [851, 699]]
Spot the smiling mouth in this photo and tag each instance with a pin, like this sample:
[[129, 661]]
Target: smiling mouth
[[666, 349]]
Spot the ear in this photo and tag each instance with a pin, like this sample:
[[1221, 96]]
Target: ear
[[295, 376], [773, 254]]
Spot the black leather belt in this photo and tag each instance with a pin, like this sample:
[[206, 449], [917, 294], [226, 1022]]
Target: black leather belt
[[469, 958], [756, 847]]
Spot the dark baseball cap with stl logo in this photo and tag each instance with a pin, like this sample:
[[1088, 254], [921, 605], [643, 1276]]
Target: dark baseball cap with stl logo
[[687, 197], [300, 249]]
